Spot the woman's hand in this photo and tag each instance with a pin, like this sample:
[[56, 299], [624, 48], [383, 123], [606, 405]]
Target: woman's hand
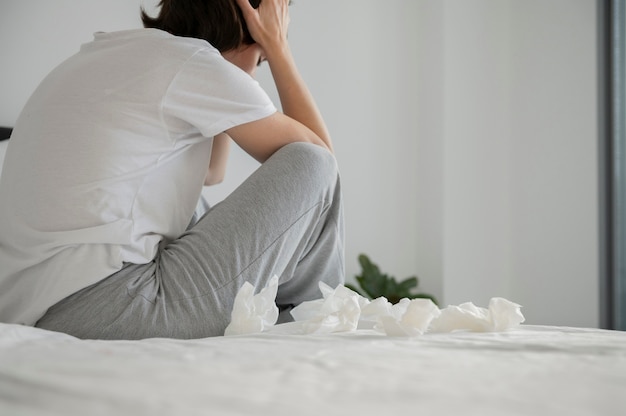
[[268, 24], [301, 120]]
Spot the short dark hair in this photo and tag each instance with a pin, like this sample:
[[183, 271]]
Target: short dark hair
[[219, 22]]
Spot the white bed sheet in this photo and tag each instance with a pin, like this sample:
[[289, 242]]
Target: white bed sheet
[[532, 370]]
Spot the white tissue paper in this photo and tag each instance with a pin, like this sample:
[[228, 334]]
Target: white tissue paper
[[501, 316], [254, 313], [409, 317], [343, 310], [504, 314], [338, 311]]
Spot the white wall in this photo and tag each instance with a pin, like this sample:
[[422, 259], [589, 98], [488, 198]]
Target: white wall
[[554, 160], [465, 133], [476, 141], [514, 130]]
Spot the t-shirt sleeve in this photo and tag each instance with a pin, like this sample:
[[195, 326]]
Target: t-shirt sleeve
[[214, 95]]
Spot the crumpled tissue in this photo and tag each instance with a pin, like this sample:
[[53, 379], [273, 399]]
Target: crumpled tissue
[[501, 315], [338, 311], [408, 317], [343, 310], [254, 313]]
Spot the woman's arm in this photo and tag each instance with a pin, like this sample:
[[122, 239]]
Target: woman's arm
[[219, 160], [301, 119], [295, 97]]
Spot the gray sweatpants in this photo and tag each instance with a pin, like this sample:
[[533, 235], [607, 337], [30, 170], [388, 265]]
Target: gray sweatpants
[[285, 219]]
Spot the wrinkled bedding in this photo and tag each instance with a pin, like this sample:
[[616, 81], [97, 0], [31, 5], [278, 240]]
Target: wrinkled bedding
[[530, 370]]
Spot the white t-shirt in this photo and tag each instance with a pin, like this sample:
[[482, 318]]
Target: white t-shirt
[[107, 160]]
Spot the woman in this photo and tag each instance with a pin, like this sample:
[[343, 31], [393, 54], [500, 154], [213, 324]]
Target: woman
[[107, 161]]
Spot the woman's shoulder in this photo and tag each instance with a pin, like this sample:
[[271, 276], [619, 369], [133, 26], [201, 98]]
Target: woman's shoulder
[[150, 38]]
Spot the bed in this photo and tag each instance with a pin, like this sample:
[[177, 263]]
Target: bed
[[342, 354], [531, 370]]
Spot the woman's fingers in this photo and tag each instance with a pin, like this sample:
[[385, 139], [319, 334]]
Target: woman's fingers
[[245, 7], [269, 22]]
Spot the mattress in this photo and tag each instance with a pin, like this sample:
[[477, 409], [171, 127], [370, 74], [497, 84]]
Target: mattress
[[530, 370]]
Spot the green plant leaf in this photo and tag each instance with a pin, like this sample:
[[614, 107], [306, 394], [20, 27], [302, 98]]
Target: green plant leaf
[[375, 284], [408, 284], [371, 280]]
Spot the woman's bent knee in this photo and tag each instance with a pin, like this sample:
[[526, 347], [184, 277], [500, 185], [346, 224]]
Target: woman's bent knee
[[312, 161]]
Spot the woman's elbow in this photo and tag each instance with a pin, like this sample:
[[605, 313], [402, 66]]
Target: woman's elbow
[[214, 178]]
